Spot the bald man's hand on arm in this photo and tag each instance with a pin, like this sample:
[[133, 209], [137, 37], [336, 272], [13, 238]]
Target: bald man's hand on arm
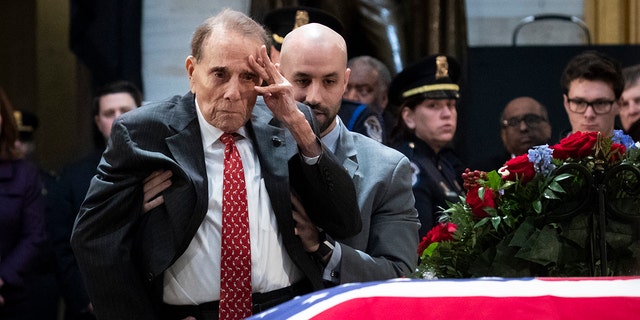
[[154, 184]]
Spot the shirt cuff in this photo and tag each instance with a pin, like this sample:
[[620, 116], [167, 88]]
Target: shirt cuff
[[310, 160], [331, 272]]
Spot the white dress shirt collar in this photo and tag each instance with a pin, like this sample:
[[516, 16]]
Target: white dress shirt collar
[[331, 139]]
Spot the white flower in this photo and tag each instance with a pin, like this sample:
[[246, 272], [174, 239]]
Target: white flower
[[504, 172]]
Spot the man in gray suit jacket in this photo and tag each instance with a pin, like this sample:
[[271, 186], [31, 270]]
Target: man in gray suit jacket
[[139, 265], [313, 58]]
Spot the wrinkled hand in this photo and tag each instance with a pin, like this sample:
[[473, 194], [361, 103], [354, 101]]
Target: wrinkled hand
[[279, 97], [154, 184], [305, 229], [278, 94]]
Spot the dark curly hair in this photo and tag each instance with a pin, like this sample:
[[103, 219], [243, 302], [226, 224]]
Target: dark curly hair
[[593, 66]]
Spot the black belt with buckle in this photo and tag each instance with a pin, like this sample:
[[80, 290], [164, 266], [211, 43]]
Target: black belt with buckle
[[261, 302]]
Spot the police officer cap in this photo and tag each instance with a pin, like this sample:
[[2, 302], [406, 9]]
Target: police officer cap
[[434, 77], [283, 20], [27, 124]]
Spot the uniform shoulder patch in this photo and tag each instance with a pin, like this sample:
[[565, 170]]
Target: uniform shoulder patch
[[415, 171], [374, 128]]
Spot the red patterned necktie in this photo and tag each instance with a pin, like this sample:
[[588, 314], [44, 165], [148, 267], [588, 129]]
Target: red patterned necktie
[[235, 263]]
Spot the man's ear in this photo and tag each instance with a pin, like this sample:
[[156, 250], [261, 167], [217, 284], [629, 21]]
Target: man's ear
[[347, 74], [384, 99], [189, 64]]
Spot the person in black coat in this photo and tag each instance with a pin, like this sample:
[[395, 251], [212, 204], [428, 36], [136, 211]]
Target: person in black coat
[[110, 101]]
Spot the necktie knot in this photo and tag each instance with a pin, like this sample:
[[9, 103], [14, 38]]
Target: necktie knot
[[228, 138]]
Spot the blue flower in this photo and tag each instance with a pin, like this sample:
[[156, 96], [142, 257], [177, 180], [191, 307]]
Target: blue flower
[[620, 137], [540, 156]]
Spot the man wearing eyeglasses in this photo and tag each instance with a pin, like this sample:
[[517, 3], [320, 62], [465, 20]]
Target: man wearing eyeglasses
[[592, 84], [524, 123]]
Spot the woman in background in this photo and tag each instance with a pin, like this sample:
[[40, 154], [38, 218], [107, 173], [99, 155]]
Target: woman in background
[[427, 94], [21, 219]]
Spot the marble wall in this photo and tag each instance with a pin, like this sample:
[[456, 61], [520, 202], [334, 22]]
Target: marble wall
[[167, 28], [168, 25]]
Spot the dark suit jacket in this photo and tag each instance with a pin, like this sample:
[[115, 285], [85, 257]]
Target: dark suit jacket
[[123, 253], [66, 200]]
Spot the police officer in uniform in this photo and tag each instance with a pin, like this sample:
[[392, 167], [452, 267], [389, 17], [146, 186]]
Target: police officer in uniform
[[426, 95], [368, 88], [360, 118]]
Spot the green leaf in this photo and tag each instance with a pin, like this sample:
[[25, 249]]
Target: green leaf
[[537, 206], [494, 180], [495, 221], [428, 252], [549, 194], [507, 185], [523, 233], [482, 222], [562, 176], [556, 187], [542, 248]]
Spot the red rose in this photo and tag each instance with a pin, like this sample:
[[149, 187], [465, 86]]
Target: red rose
[[577, 145], [478, 205], [617, 151], [441, 232], [520, 167]]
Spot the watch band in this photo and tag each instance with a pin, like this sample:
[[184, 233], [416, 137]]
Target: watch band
[[326, 247]]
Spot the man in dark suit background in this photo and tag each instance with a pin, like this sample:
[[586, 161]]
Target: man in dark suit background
[[109, 102], [166, 263]]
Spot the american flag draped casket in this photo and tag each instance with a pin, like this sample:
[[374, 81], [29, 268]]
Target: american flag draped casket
[[483, 298]]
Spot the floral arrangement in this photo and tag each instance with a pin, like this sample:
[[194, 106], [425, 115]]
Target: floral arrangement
[[571, 209]]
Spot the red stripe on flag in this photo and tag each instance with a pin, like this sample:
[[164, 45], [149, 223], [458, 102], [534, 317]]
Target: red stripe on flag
[[495, 308]]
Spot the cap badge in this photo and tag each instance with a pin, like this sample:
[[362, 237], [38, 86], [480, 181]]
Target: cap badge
[[442, 67], [302, 18]]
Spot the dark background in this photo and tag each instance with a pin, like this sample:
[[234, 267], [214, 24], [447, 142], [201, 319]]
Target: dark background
[[495, 75]]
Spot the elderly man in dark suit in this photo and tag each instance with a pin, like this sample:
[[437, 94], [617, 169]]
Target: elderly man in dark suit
[[314, 59], [169, 263]]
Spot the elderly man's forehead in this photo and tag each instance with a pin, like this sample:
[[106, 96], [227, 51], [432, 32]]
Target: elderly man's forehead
[[230, 42]]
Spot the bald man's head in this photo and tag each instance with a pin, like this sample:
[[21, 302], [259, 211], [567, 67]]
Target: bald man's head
[[314, 60], [313, 36]]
